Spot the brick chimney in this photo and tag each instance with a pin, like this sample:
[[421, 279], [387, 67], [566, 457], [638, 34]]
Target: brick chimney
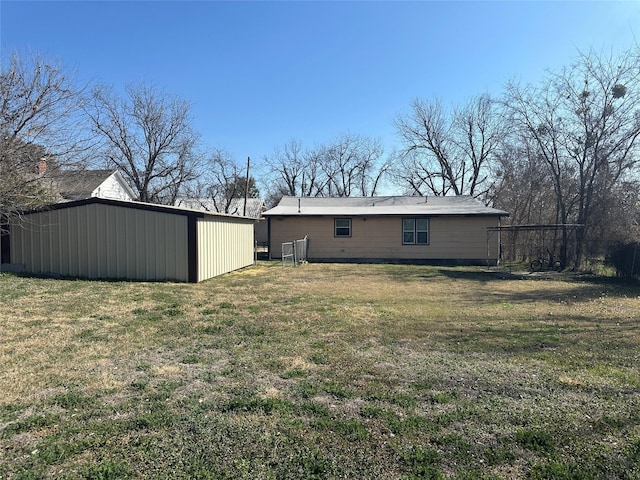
[[41, 167]]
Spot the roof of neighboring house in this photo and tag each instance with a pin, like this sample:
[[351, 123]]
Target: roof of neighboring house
[[374, 206], [79, 184], [255, 206]]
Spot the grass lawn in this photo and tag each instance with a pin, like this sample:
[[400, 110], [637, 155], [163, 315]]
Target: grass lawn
[[321, 371]]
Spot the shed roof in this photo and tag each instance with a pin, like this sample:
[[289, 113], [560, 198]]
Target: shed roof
[[136, 206], [382, 206]]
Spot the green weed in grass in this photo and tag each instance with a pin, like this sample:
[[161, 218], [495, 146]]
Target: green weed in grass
[[306, 389], [210, 329], [154, 416], [347, 427], [316, 409], [319, 358], [536, 440], [423, 462], [405, 400], [499, 454], [294, 373], [143, 367], [443, 397], [139, 385], [191, 358], [72, 399], [310, 463], [336, 389], [106, 470], [29, 424], [252, 330], [372, 411], [633, 450], [409, 424], [9, 411], [252, 404], [560, 471]]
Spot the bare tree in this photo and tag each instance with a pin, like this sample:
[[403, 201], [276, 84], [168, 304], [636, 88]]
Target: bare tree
[[39, 106], [293, 168], [585, 124], [348, 165], [448, 153], [221, 181], [521, 185], [295, 171], [351, 164], [148, 136]]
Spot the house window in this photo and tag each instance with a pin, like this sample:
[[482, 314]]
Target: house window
[[342, 227], [415, 231]]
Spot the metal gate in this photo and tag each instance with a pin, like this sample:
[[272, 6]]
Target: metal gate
[[294, 253]]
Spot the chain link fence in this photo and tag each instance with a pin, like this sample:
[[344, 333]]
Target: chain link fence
[[535, 247]]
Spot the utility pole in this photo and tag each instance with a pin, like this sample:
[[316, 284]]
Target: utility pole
[[246, 188]]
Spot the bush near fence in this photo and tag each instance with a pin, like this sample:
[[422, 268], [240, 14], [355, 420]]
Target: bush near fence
[[625, 258]]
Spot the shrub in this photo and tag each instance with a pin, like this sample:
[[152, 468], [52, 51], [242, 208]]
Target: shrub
[[625, 258]]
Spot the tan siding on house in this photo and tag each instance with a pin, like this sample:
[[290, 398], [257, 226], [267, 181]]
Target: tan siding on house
[[103, 241], [450, 238], [224, 244]]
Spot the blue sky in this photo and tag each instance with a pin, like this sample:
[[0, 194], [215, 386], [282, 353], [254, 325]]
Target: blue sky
[[261, 73]]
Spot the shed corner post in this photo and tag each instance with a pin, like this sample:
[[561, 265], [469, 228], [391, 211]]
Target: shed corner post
[[192, 249], [269, 237]]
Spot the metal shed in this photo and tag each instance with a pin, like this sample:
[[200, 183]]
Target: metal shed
[[111, 239]]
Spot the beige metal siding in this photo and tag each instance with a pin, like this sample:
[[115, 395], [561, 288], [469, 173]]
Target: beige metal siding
[[450, 238], [103, 241], [224, 244]]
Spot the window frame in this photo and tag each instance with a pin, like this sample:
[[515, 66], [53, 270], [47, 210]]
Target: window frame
[[335, 227], [415, 231]]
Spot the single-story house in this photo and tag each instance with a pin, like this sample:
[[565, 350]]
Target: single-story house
[[441, 230], [114, 239]]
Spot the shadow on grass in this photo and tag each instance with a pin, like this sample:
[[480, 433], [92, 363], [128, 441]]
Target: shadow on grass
[[589, 286], [614, 335], [482, 276]]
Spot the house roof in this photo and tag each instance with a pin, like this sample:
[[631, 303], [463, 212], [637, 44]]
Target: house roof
[[76, 184], [381, 206], [255, 206], [79, 184]]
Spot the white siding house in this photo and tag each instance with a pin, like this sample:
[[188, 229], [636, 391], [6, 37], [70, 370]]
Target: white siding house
[[72, 185]]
